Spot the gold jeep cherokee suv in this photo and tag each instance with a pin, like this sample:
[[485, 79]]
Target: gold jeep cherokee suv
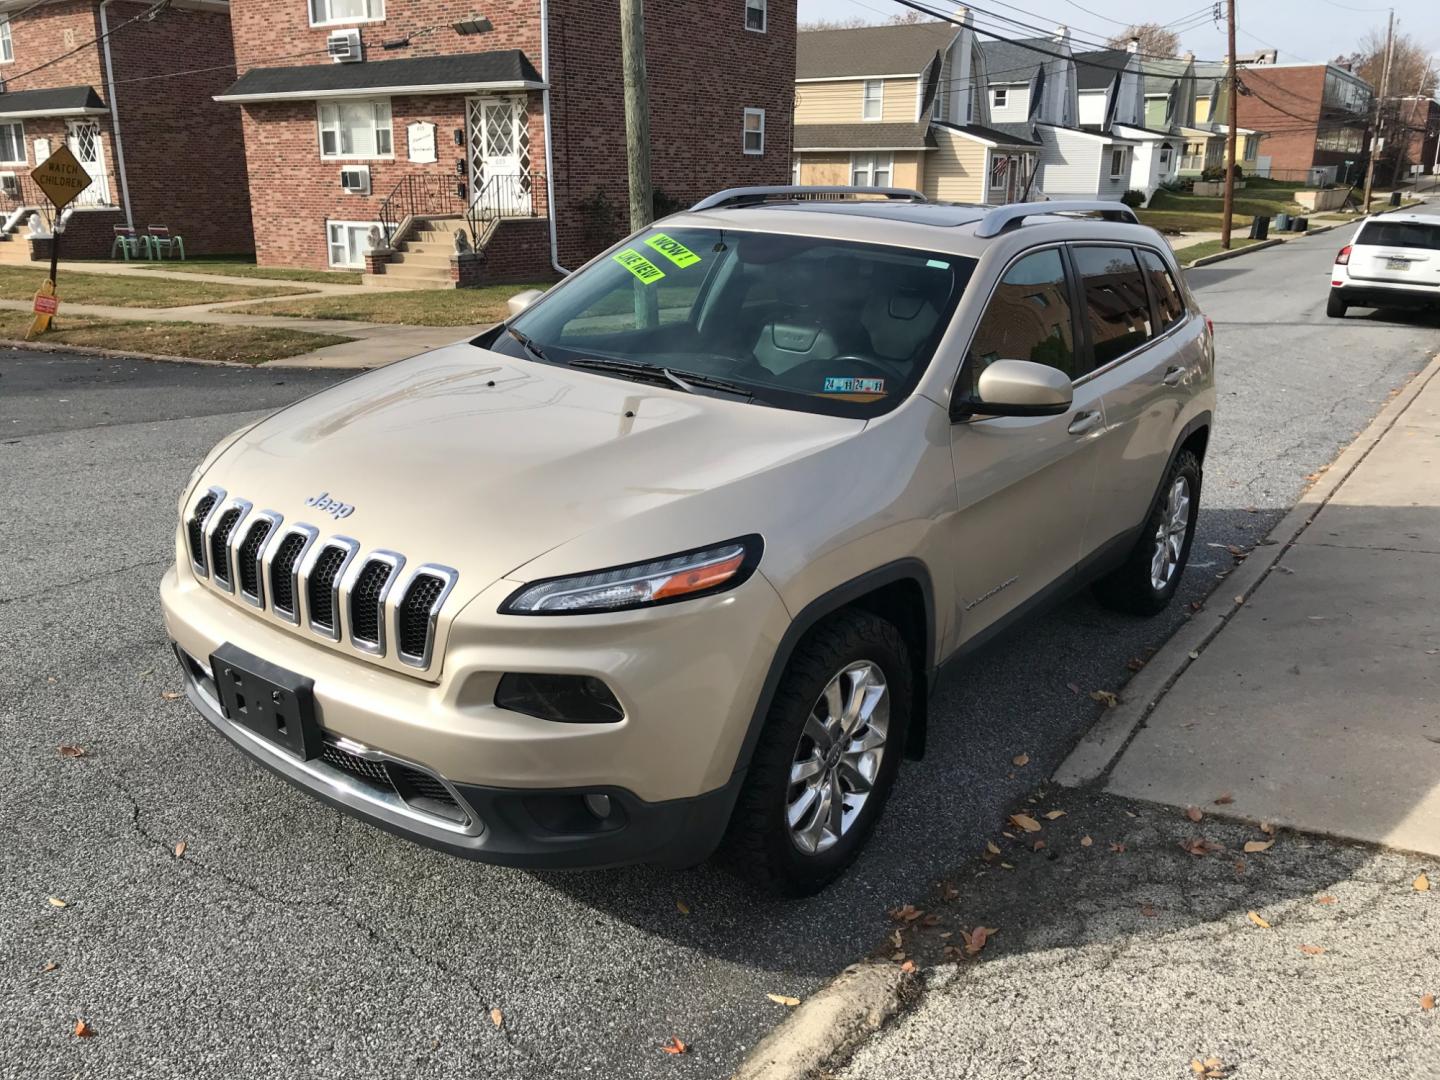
[[674, 556]]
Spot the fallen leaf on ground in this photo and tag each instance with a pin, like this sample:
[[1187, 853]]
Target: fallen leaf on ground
[[1254, 847], [908, 967], [49, 965], [180, 849], [72, 751], [949, 892], [1194, 655], [1199, 846], [1054, 815], [781, 999], [909, 913], [1020, 760], [1194, 813], [55, 901], [1254, 917], [1105, 697], [1149, 910], [674, 1046], [992, 847], [1225, 800], [83, 1030], [1239, 866], [930, 920], [1239, 599], [1427, 1002], [1134, 663], [1211, 1068], [1074, 688], [682, 907], [1267, 828], [896, 941], [975, 939], [1326, 899], [1312, 950], [1117, 848], [1025, 821], [497, 1017], [1038, 845], [1421, 883], [171, 695]]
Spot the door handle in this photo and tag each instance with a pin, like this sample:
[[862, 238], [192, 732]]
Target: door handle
[[1173, 375], [1084, 422]]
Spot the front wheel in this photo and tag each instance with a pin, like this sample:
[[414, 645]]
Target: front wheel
[[1336, 307], [1150, 575], [827, 756]]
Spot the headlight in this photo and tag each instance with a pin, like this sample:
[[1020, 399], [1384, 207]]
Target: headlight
[[685, 576]]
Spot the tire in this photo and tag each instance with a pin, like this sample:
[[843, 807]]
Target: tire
[[761, 844], [1136, 587], [1336, 307]]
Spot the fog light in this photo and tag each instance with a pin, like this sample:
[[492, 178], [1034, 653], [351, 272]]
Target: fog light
[[599, 805], [573, 699]]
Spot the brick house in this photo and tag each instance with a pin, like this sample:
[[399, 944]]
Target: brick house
[[399, 121], [1316, 118], [1418, 134], [131, 97]]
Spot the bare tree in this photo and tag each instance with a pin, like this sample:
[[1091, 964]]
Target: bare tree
[[1413, 70], [1155, 40], [904, 18]]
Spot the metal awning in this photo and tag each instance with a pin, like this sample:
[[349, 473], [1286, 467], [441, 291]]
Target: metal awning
[[56, 101], [506, 69]]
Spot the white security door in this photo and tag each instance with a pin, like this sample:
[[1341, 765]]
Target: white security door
[[499, 159], [84, 143]]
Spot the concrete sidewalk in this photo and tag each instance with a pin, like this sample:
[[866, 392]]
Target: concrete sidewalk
[[1318, 705]]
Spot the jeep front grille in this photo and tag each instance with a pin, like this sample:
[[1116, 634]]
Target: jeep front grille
[[423, 792], [323, 584]]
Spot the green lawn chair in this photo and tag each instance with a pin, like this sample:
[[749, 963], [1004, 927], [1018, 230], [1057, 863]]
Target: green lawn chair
[[164, 244], [129, 244]]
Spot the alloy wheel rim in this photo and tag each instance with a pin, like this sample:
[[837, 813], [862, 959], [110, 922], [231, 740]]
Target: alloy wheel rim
[[1170, 536], [838, 758]]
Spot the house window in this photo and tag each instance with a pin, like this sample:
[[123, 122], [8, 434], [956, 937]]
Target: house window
[[7, 48], [1165, 157], [345, 11], [755, 15], [872, 170], [1117, 163], [874, 105], [355, 129], [12, 144], [349, 241], [753, 131], [999, 97]]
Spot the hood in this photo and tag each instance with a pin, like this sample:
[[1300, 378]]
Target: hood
[[482, 462]]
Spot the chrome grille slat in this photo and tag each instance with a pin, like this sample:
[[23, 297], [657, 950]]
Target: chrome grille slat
[[366, 590], [195, 528], [219, 532], [418, 613], [282, 571], [320, 580], [249, 556]]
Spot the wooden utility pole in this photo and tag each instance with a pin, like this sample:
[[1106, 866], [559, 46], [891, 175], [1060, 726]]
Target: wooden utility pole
[[637, 111], [1379, 105], [1233, 110]]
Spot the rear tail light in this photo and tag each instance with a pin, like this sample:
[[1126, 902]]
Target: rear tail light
[[1343, 259], [1209, 326]]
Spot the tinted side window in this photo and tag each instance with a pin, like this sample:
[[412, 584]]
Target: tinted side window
[[1116, 304], [1169, 303], [1028, 318]]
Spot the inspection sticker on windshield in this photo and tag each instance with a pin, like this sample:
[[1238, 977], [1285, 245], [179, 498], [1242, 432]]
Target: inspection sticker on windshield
[[854, 386], [673, 250], [638, 265]]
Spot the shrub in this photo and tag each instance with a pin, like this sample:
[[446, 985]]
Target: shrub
[[1133, 199]]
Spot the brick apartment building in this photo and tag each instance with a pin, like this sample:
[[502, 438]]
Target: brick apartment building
[[131, 96], [1315, 117], [1419, 136], [520, 116]]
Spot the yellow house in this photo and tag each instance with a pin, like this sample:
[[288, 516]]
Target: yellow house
[[904, 106]]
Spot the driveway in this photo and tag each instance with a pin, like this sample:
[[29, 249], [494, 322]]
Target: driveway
[[289, 940]]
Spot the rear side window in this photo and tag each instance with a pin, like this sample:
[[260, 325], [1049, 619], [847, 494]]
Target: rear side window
[[1401, 234], [1168, 303], [1116, 304], [1028, 318]]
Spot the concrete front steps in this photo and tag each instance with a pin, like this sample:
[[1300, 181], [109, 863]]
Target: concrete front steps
[[14, 250], [422, 259]]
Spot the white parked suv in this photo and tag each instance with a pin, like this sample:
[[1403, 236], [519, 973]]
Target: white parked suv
[[1391, 262]]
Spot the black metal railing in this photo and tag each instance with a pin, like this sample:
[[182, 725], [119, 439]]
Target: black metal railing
[[420, 195]]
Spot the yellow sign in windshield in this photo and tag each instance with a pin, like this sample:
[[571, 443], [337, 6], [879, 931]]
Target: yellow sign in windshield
[[638, 265], [673, 250]]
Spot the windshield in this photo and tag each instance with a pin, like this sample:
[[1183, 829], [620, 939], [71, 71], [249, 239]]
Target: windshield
[[795, 322], [1402, 234]]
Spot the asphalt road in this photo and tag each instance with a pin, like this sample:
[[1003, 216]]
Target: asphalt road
[[289, 940]]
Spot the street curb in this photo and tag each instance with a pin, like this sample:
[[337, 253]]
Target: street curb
[[118, 354], [848, 1010], [1098, 749]]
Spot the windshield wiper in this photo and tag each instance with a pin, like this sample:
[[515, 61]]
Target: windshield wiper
[[683, 380], [527, 344]]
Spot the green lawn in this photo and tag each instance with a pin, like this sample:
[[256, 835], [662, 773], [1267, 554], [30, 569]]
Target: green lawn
[[125, 290], [1187, 255], [1206, 213], [244, 266], [421, 307], [203, 341]]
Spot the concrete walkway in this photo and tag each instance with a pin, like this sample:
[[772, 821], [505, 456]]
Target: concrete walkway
[[1318, 705]]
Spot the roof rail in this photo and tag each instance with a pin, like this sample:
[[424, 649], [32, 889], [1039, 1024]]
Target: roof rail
[[754, 196], [1007, 217]]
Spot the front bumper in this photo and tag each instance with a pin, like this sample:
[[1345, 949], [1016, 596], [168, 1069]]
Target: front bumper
[[514, 786]]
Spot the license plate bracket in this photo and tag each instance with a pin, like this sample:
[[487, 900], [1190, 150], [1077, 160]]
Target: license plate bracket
[[266, 699], [1397, 264]]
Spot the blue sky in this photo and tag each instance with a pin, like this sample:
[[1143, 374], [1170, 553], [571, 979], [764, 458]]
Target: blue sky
[[1302, 30]]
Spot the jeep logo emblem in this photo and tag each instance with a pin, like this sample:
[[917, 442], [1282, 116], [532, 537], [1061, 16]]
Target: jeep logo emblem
[[334, 507]]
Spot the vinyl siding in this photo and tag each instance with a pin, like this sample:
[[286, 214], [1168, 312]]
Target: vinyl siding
[[1017, 105], [1092, 107], [955, 169], [842, 102], [1155, 112], [1077, 166]]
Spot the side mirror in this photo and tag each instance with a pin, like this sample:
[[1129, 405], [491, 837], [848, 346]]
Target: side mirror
[[522, 300], [1017, 388]]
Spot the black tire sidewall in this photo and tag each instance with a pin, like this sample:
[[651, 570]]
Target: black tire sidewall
[[1188, 466]]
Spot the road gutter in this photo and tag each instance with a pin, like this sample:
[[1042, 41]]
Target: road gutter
[[1101, 746], [119, 354]]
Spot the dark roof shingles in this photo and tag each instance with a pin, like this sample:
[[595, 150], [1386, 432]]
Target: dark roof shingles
[[870, 50], [55, 99], [502, 66], [862, 136]]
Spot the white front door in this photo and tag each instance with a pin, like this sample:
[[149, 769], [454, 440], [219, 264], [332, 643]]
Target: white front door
[[499, 177], [84, 143]]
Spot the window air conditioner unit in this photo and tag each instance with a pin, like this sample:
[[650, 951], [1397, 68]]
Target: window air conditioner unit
[[356, 179], [344, 46]]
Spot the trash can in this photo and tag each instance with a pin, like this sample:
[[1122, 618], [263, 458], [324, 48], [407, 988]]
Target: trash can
[[1282, 222], [1301, 224], [1394, 198], [1260, 227]]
